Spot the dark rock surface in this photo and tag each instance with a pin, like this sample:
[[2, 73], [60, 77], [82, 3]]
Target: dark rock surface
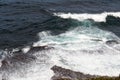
[[18, 58], [38, 48], [112, 24], [69, 74]]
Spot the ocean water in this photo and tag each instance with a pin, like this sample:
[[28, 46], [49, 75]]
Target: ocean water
[[80, 35]]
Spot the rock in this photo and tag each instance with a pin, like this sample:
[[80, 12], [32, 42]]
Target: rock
[[112, 42], [16, 59], [68, 74], [38, 48], [111, 20]]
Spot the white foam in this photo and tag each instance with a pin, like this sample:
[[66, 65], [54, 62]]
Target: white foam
[[82, 16], [26, 49], [80, 35], [89, 63], [34, 74], [79, 50], [36, 70]]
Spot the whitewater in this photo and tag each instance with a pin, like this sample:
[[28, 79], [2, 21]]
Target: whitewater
[[83, 48], [96, 17]]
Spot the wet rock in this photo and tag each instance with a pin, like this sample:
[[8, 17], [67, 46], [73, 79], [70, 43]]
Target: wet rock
[[17, 58], [112, 42], [38, 48], [63, 79], [111, 20], [68, 74], [16, 61]]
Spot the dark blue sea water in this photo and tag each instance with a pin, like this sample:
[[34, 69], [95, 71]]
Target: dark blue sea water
[[81, 35]]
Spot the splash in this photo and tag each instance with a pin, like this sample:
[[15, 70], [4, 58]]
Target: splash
[[85, 49], [83, 16]]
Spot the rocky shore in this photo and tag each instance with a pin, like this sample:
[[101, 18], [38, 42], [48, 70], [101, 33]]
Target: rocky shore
[[66, 74], [59, 73]]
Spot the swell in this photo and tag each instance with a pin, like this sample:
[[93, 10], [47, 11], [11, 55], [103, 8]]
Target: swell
[[26, 19], [29, 30], [105, 21], [73, 6]]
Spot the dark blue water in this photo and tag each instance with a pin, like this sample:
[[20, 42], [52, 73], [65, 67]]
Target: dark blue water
[[21, 20]]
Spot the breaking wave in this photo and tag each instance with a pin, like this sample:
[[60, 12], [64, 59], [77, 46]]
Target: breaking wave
[[85, 48], [80, 45], [81, 17]]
